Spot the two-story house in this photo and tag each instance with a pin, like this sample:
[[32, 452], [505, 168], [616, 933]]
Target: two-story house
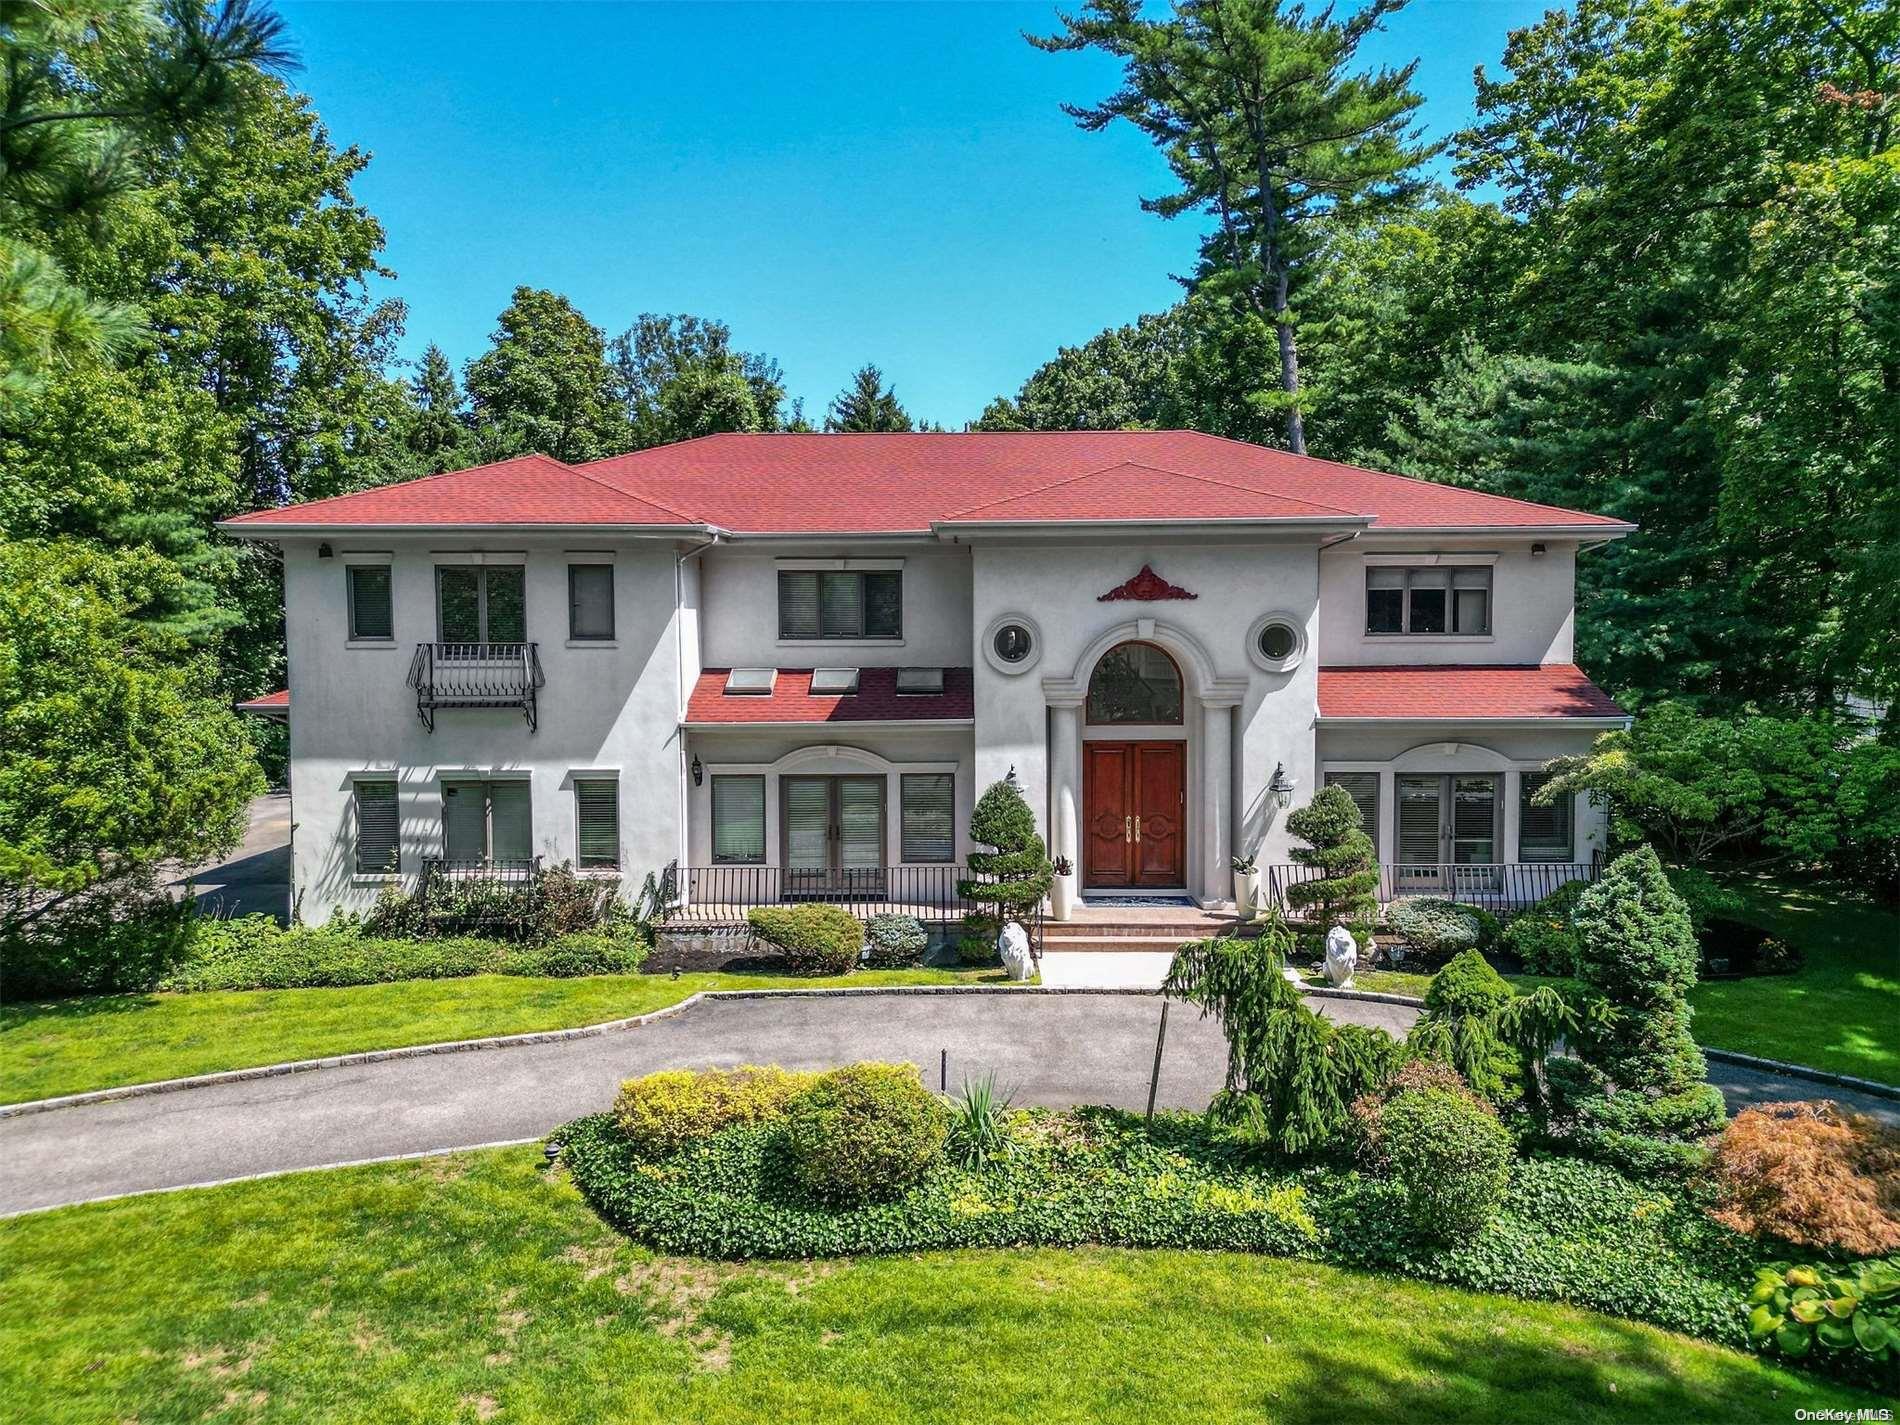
[[789, 664]]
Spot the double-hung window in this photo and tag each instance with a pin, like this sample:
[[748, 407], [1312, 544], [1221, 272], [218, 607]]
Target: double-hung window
[[597, 823], [1544, 833], [378, 828], [487, 821], [738, 821], [840, 603], [590, 602], [1444, 599], [929, 816], [371, 616]]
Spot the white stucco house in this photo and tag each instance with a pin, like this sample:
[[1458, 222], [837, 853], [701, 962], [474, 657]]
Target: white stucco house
[[788, 664]]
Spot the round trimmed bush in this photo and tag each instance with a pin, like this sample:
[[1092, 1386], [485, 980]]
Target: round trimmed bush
[[1545, 944], [865, 1133], [895, 942], [1437, 928], [1467, 986], [1451, 1155], [665, 1112], [814, 939]]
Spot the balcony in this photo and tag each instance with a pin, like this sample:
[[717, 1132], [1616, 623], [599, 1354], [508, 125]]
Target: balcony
[[476, 675]]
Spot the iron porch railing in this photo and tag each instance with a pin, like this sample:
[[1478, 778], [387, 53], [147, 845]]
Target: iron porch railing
[[476, 675], [1506, 886]]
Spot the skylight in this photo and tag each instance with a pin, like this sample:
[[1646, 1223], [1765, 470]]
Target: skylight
[[834, 681], [750, 682], [920, 680]]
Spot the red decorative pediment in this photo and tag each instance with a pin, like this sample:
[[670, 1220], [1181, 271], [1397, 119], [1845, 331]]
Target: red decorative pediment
[[1146, 587]]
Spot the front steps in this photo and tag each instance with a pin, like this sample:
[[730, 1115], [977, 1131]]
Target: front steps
[[1124, 947]]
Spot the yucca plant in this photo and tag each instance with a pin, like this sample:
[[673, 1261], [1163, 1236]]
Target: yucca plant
[[979, 1131]]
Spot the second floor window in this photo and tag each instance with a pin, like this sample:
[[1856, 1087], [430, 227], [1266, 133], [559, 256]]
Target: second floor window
[[590, 601], [1453, 599], [371, 616], [829, 603], [481, 603]]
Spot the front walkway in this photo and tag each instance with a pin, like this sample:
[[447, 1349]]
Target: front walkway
[[1047, 1048]]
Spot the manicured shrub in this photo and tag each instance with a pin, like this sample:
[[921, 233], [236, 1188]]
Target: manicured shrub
[[664, 1112], [1291, 1075], [1844, 1317], [1366, 1135], [1452, 1156], [1460, 1025], [1346, 889], [1811, 1174], [532, 909], [1542, 943], [815, 939], [865, 1133], [895, 942], [1437, 929], [1009, 882]]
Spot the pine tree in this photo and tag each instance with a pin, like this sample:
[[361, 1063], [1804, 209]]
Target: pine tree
[[1009, 881], [1266, 132], [436, 435], [867, 405], [1346, 891]]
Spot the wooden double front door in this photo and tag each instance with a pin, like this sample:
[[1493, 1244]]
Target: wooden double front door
[[1134, 808]]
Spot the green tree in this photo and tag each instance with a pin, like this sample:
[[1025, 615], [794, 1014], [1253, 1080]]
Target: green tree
[[679, 377], [436, 433], [121, 755], [544, 385], [867, 405], [1346, 889], [1010, 881], [1266, 131]]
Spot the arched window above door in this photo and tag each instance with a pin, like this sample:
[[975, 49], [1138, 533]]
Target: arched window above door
[[1135, 683]]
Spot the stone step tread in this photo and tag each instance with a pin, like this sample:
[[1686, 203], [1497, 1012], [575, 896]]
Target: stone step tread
[[1113, 943]]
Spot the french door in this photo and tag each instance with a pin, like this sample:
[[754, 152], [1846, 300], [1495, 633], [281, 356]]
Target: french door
[[833, 835], [478, 605], [1447, 823], [1134, 803]]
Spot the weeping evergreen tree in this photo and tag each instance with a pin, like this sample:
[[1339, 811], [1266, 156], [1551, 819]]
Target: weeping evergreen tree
[[1009, 882], [1346, 890]]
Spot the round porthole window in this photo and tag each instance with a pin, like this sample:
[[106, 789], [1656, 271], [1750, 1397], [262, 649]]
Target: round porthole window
[[1277, 642], [1012, 644]]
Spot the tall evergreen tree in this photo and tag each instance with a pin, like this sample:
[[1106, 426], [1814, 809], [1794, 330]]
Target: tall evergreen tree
[[1267, 131], [544, 385], [867, 405], [436, 434]]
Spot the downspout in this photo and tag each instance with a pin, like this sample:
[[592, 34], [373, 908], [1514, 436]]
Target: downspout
[[682, 692]]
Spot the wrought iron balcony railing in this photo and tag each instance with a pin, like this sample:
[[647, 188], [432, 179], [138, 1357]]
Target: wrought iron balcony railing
[[476, 675]]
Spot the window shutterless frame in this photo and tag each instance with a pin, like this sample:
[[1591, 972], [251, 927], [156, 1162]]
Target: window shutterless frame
[[372, 617], [597, 823], [927, 816], [1446, 600], [818, 604], [378, 827], [738, 821], [480, 604], [590, 602]]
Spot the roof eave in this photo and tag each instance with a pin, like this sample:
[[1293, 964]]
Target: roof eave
[[267, 531], [1603, 721], [701, 725], [1228, 524], [1617, 529]]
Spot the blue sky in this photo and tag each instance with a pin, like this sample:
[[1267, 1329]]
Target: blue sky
[[840, 183]]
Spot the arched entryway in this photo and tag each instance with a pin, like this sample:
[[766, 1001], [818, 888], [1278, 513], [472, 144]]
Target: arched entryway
[[1134, 786]]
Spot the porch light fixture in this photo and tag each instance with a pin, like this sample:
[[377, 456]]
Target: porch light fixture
[[699, 772], [1538, 550], [1280, 786], [325, 552]]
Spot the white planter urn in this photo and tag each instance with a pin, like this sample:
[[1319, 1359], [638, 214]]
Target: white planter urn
[[1246, 893], [1062, 898], [1342, 957]]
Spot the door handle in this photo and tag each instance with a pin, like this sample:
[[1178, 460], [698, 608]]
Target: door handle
[[1128, 828], [1137, 831]]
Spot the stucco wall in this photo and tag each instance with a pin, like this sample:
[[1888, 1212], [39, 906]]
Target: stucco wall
[[1532, 605], [1058, 589], [605, 708], [740, 610]]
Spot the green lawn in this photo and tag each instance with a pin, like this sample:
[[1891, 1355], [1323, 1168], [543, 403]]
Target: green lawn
[[478, 1287], [1841, 1012], [70, 1046]]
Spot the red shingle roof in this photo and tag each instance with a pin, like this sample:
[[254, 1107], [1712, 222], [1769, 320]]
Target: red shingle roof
[[1462, 691], [270, 702], [792, 700], [528, 490], [819, 484]]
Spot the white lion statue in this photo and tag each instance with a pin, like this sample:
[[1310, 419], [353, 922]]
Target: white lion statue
[[1342, 957], [1012, 943]]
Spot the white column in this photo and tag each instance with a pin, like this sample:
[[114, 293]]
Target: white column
[[1217, 801], [1065, 755]]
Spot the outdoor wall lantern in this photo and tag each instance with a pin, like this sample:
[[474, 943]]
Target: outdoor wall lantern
[[699, 773], [324, 552], [1280, 786]]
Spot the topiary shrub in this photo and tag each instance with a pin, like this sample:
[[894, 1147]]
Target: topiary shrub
[[1453, 1157], [1542, 943], [1346, 890], [1811, 1174], [895, 942], [865, 1133], [815, 939], [1009, 882], [664, 1112], [1437, 929], [1460, 1025], [1365, 1136]]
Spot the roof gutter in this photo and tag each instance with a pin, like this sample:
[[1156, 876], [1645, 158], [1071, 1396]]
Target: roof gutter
[[1594, 721], [265, 530], [950, 530]]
